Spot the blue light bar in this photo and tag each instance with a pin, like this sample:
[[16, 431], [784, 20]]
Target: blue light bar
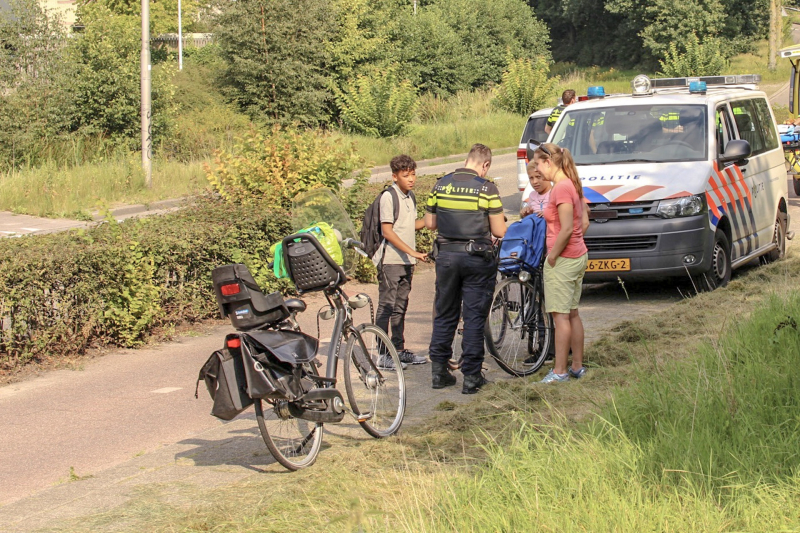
[[596, 92], [697, 87]]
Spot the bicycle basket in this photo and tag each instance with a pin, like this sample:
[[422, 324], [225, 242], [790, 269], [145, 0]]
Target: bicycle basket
[[309, 265]]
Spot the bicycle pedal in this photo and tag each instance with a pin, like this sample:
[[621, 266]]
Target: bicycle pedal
[[364, 417]]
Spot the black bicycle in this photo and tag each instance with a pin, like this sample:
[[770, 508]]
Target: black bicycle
[[519, 331], [278, 362]]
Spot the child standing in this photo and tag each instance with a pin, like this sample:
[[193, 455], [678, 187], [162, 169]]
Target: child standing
[[399, 257], [536, 195]]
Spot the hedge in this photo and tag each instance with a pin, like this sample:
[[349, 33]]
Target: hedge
[[119, 283]]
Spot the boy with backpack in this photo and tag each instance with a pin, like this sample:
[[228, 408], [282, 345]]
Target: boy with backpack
[[398, 224]]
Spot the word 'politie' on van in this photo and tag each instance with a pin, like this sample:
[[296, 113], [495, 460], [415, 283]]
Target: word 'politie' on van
[[683, 177]]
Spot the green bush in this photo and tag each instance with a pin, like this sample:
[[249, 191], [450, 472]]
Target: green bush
[[525, 86], [272, 168], [116, 284], [378, 105], [697, 59]]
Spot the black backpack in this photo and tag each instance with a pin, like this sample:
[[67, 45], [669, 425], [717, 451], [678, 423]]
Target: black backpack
[[371, 235]]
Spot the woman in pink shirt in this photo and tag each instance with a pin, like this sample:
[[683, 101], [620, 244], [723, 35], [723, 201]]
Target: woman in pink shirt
[[567, 218]]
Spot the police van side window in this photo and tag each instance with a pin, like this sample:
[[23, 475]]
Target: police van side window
[[724, 132], [766, 125], [744, 114]]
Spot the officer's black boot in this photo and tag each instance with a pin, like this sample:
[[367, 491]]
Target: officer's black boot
[[473, 383], [441, 376]]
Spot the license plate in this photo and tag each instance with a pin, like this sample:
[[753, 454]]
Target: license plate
[[608, 265]]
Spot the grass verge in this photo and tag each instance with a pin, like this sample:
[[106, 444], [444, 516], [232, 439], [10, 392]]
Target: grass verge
[[74, 192], [686, 422]]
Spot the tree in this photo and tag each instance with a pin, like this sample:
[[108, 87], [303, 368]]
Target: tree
[[107, 86], [693, 59], [37, 102], [380, 105], [276, 56], [526, 87]]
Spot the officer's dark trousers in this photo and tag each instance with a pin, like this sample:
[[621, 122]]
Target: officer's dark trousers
[[470, 279], [394, 286]]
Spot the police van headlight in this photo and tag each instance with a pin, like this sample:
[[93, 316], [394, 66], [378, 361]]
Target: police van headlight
[[682, 207]]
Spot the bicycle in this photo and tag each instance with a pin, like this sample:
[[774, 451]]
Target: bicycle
[[292, 400], [519, 331]]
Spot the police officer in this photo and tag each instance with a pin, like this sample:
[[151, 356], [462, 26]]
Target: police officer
[[568, 98], [466, 210]]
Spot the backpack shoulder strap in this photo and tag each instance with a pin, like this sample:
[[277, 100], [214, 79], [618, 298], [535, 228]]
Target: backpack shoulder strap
[[395, 201]]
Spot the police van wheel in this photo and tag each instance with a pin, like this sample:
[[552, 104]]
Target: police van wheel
[[779, 238], [796, 183], [719, 273]]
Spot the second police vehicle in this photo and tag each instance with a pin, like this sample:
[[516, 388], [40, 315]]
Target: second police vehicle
[[683, 177]]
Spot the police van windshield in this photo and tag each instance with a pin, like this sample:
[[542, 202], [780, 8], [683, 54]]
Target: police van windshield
[[634, 134]]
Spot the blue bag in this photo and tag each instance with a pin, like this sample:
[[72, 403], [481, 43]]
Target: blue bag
[[523, 245]]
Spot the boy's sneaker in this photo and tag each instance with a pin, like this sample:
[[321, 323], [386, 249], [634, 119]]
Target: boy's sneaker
[[552, 377], [385, 362], [579, 374], [410, 358]]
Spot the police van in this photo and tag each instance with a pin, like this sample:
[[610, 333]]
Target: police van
[[534, 131], [683, 177]]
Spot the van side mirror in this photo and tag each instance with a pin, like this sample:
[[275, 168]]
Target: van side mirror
[[735, 151], [533, 145]]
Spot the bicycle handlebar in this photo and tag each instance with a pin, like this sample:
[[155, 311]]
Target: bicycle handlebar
[[352, 243]]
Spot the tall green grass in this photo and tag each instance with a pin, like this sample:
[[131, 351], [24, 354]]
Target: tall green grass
[[730, 416], [710, 443], [75, 191]]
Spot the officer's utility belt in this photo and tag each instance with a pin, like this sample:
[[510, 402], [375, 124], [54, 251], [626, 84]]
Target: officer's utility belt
[[482, 249]]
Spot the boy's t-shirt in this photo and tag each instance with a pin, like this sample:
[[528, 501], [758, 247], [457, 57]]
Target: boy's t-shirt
[[564, 192], [403, 227]]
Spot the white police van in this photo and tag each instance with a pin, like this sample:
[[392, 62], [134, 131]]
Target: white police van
[[683, 177], [534, 131]]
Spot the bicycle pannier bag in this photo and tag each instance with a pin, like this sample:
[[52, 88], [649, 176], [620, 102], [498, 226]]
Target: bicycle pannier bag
[[273, 360], [224, 376]]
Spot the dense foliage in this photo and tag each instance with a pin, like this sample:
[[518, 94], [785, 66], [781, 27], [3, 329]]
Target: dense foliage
[[696, 60], [118, 283], [286, 62], [56, 89], [631, 33], [271, 168], [526, 87], [381, 105]]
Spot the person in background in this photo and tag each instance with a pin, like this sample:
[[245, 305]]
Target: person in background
[[399, 257], [466, 210], [567, 219], [536, 195], [568, 98]]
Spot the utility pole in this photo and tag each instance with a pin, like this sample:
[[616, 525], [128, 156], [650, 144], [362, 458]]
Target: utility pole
[[415, 8], [775, 31], [180, 38], [147, 140]]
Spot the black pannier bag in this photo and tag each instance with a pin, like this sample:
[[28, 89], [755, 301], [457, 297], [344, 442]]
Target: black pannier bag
[[273, 363], [225, 379], [240, 298]]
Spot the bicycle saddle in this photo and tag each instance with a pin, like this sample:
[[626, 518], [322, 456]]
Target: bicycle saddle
[[294, 305]]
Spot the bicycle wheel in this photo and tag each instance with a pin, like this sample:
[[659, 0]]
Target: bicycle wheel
[[376, 394], [293, 442], [518, 331]]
